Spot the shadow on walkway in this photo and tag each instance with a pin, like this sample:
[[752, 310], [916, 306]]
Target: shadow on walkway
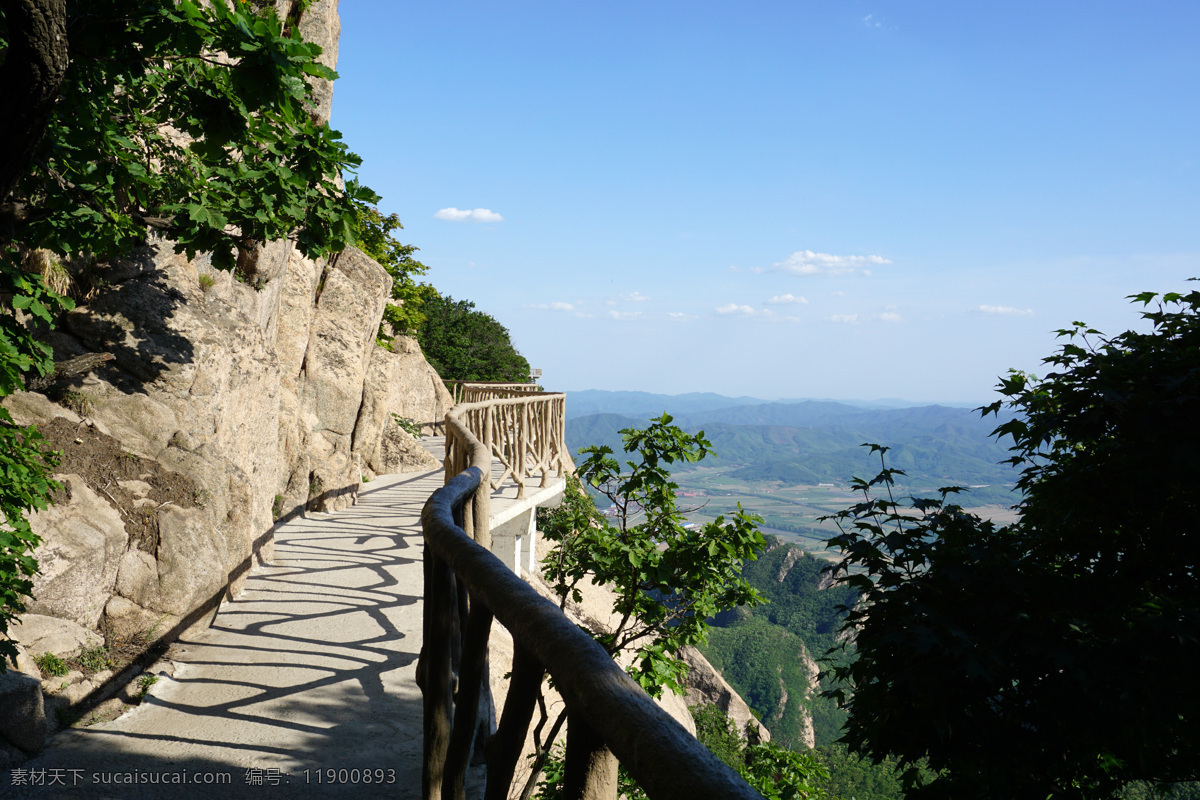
[[304, 686]]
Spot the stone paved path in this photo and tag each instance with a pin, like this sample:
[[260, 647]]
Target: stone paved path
[[303, 687]]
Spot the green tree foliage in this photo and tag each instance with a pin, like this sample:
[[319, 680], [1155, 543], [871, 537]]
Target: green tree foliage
[[716, 732], [124, 118], [251, 164], [758, 650], [374, 233], [776, 772], [1053, 657], [669, 579], [852, 776], [762, 661], [468, 345], [25, 486]]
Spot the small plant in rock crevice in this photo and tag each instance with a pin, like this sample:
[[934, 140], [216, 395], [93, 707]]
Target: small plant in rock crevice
[[144, 683], [407, 425], [51, 665], [93, 659], [79, 402]]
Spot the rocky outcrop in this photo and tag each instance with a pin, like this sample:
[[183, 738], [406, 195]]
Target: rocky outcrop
[[813, 673], [399, 382], [269, 402], [84, 538], [793, 555], [22, 717], [253, 405], [705, 686]]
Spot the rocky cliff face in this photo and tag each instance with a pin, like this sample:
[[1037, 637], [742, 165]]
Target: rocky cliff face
[[224, 409], [227, 405]]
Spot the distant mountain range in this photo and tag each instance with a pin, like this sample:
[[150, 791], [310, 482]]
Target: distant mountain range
[[814, 441], [646, 404]]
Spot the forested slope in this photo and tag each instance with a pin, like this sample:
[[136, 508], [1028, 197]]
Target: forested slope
[[762, 652]]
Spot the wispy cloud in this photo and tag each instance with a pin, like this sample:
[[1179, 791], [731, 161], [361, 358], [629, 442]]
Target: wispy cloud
[[857, 318], [806, 262], [468, 215], [783, 299], [752, 270], [734, 309], [625, 314], [558, 305], [679, 316], [872, 21], [1009, 310], [634, 297]]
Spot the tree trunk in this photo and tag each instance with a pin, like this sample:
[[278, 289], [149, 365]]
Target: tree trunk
[[30, 78]]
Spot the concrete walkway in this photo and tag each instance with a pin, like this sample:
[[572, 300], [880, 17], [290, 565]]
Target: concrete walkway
[[303, 687]]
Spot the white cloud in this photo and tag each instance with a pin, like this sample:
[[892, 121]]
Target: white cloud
[[781, 299], [806, 262], [679, 316], [468, 215], [734, 308], [890, 316], [752, 270], [557, 305], [849, 319], [625, 314], [872, 21], [634, 297], [1021, 312]]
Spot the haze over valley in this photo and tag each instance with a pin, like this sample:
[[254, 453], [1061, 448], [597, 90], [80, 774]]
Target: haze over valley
[[792, 462]]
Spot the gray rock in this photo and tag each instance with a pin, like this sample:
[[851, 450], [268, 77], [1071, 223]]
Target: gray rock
[[31, 408], [25, 663], [22, 717], [373, 417], [39, 634], [190, 567], [417, 391], [400, 452], [705, 685], [349, 307], [11, 756], [321, 24], [126, 618], [82, 541]]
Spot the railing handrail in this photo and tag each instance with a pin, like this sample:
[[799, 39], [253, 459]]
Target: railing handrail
[[465, 585], [459, 390], [525, 432]]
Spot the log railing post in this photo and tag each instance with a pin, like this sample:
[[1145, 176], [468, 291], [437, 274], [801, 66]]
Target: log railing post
[[471, 675], [435, 669], [505, 746], [591, 768]]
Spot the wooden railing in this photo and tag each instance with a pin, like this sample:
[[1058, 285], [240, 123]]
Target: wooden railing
[[474, 391], [525, 432], [466, 587]]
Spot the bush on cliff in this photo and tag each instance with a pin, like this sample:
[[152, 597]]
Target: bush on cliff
[[468, 345], [1054, 657]]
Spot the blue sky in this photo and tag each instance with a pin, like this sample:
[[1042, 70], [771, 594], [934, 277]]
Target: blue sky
[[784, 199]]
